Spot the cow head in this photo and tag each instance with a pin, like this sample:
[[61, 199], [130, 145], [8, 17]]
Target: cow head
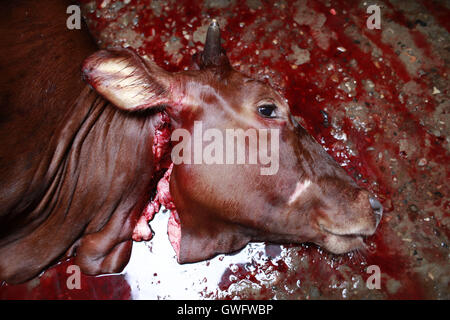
[[307, 197]]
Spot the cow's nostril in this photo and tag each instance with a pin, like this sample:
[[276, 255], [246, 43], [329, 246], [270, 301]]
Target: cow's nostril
[[377, 209]]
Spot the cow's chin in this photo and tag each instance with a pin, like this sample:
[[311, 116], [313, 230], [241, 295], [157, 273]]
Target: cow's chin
[[340, 244]]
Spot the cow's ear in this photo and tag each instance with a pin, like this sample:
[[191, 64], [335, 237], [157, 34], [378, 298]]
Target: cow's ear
[[126, 80]]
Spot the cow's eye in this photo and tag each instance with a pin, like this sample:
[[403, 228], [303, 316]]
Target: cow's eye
[[268, 110]]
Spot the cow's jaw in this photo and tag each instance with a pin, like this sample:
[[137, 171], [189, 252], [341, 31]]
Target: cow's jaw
[[339, 244]]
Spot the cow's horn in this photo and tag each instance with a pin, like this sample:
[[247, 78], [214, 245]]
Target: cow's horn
[[212, 45], [213, 54]]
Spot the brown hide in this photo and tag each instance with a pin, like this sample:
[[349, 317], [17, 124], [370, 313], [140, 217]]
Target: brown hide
[[70, 164]]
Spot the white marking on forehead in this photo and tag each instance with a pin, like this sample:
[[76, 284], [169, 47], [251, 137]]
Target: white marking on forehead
[[195, 92], [299, 189]]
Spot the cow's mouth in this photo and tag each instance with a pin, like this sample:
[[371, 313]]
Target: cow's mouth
[[339, 243]]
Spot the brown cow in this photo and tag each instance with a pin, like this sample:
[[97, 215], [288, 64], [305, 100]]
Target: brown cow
[[77, 166]]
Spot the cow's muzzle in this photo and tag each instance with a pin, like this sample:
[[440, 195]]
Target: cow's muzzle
[[377, 209]]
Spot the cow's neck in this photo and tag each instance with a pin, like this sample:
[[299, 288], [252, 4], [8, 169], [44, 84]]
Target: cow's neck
[[94, 174]]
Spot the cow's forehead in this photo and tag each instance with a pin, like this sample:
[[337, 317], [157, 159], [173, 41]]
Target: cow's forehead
[[234, 86]]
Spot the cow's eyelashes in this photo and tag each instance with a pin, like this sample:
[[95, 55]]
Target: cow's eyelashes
[[268, 110]]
